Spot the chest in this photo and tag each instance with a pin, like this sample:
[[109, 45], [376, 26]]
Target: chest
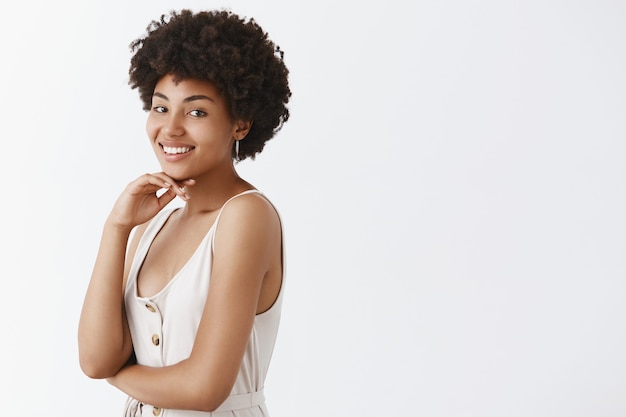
[[173, 247]]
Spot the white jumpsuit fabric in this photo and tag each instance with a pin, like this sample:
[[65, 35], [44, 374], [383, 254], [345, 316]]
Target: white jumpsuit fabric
[[163, 327]]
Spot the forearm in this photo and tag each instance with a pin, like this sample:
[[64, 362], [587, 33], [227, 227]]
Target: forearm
[[102, 334], [182, 386]]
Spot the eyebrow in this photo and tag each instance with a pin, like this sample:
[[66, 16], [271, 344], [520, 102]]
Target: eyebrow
[[187, 99]]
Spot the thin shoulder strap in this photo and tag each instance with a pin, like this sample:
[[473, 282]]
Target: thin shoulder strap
[[278, 300], [145, 241], [217, 219]]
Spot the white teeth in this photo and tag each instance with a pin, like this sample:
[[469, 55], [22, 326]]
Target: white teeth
[[174, 151]]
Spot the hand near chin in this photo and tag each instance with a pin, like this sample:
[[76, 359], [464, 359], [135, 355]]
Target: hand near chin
[[140, 200]]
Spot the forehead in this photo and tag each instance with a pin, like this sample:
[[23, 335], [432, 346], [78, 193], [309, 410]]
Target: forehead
[[176, 89]]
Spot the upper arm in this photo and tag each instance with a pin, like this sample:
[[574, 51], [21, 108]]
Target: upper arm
[[246, 240]]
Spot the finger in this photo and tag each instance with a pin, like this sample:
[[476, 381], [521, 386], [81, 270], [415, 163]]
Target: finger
[[169, 183], [170, 180], [166, 198], [147, 184], [189, 181], [153, 182], [183, 186]]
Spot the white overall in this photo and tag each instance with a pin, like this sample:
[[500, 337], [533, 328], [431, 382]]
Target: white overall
[[163, 327]]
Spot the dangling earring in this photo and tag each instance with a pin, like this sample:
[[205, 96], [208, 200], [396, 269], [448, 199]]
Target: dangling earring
[[237, 150]]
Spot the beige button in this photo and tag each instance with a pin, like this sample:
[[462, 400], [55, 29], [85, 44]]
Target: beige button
[[155, 339], [156, 411], [151, 308]]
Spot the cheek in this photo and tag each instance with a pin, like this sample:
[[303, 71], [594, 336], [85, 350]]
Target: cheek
[[151, 128]]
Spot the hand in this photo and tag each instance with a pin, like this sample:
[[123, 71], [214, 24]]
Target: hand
[[140, 202]]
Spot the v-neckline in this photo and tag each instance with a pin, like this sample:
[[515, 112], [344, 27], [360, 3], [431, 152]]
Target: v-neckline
[[174, 277], [153, 236]]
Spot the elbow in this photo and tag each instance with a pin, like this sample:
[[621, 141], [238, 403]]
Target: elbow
[[98, 363], [203, 388], [211, 400], [210, 403], [95, 372], [96, 369], [210, 406]]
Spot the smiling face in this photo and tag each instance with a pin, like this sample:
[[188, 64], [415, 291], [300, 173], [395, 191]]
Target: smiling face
[[191, 129]]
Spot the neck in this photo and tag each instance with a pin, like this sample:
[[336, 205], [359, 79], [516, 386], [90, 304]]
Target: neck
[[211, 191]]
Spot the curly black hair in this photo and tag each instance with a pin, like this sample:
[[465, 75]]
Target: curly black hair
[[234, 54]]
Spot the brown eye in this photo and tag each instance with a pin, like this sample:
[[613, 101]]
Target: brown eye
[[197, 113], [159, 109]]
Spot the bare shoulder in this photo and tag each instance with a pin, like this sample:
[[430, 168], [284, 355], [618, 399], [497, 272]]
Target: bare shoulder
[[251, 216], [251, 209]]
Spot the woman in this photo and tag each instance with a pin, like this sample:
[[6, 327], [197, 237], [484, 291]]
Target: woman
[[184, 317]]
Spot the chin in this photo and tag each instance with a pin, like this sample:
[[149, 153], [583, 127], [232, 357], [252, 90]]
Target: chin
[[174, 174]]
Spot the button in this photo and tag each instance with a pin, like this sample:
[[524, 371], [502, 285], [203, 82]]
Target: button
[[156, 411], [151, 308], [155, 339]]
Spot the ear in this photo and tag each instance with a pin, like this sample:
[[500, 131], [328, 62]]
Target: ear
[[242, 127]]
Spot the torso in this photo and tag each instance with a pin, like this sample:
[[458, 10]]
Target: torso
[[175, 244], [172, 247], [171, 305]]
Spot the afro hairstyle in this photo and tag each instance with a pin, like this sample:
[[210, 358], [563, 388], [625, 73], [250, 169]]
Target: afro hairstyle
[[234, 54]]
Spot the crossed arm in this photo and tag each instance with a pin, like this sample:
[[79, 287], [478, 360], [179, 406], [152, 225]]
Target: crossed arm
[[247, 231]]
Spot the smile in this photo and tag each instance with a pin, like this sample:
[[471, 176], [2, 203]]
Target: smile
[[176, 150]]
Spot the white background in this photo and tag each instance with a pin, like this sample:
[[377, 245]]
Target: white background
[[452, 183]]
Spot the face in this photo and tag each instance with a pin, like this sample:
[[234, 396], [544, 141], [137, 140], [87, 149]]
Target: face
[[190, 128]]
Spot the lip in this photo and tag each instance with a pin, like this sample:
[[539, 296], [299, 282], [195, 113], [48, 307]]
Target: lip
[[175, 157]]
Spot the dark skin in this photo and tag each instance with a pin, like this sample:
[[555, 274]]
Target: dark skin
[[245, 65], [192, 134]]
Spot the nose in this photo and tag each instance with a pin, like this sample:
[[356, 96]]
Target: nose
[[174, 126]]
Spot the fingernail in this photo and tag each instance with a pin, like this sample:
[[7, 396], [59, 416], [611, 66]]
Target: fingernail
[[167, 185]]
